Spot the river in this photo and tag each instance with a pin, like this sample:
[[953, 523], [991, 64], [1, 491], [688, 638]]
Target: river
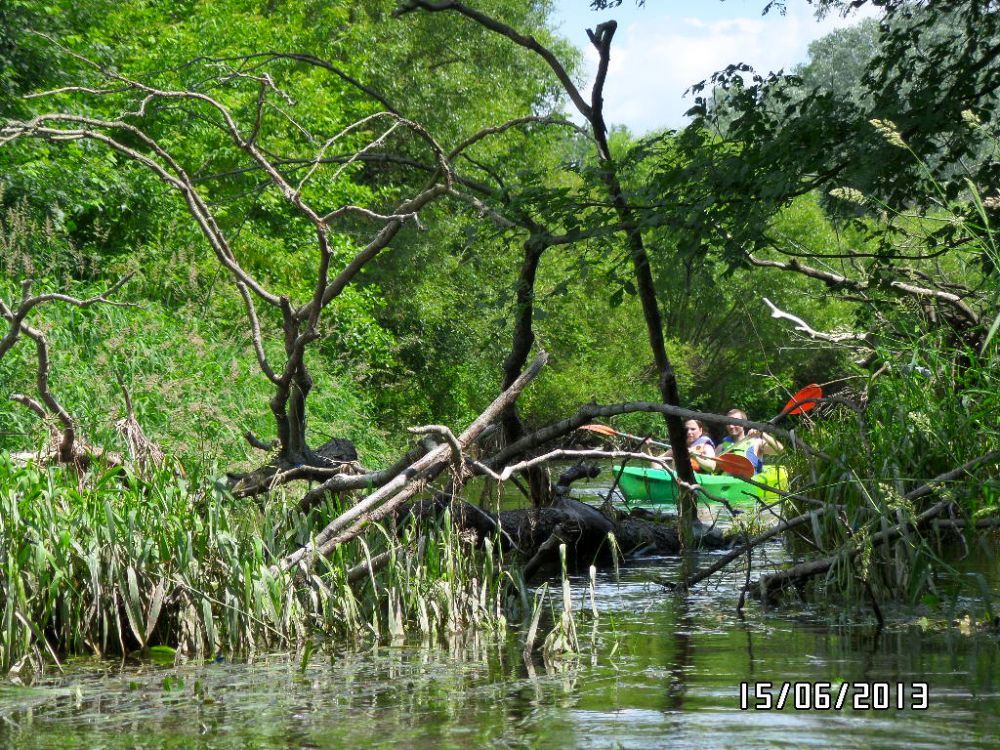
[[653, 670]]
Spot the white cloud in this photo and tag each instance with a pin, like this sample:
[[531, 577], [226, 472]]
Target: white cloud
[[656, 58]]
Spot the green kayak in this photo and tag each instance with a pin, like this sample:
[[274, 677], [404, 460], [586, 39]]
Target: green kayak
[[657, 487]]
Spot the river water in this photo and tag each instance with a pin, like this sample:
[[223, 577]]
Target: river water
[[657, 671]]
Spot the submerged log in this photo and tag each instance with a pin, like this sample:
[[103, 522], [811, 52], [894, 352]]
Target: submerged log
[[537, 533]]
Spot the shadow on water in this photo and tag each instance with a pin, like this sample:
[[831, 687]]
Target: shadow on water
[[664, 671]]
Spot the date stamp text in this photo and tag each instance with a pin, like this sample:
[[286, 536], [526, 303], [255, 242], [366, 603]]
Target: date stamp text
[[828, 696]]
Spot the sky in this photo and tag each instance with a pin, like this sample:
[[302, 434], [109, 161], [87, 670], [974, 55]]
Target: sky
[[661, 49]]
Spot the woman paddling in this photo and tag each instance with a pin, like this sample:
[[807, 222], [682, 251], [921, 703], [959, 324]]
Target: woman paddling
[[698, 442]]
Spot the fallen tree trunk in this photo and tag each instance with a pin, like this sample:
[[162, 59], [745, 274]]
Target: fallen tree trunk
[[335, 457], [537, 533], [406, 484], [590, 412]]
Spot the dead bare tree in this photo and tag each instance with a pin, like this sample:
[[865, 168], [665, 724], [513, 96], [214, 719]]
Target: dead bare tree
[[65, 444], [291, 456]]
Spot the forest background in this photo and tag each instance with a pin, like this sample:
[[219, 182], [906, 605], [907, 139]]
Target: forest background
[[856, 194], [421, 334]]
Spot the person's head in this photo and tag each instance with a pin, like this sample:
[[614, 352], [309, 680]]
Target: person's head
[[694, 428], [735, 431]]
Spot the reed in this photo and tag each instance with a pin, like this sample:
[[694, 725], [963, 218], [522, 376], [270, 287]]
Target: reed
[[112, 565], [917, 422]]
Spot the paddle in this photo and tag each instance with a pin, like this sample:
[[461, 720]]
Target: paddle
[[804, 400], [603, 429], [729, 463], [739, 466]]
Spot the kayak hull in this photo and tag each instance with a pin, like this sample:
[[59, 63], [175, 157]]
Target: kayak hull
[[657, 487]]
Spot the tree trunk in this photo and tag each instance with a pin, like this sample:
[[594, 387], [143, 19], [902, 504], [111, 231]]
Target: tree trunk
[[293, 458], [539, 485]]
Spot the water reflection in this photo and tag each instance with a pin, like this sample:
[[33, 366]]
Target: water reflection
[[665, 671]]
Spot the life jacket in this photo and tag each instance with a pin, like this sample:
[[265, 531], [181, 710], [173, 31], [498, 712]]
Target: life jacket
[[745, 448], [703, 440]]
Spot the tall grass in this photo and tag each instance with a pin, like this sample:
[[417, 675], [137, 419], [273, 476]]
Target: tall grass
[[110, 567], [932, 405], [916, 421]]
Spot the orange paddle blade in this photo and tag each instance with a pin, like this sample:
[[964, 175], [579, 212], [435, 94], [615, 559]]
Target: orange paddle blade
[[727, 463], [738, 466], [601, 429], [804, 400]]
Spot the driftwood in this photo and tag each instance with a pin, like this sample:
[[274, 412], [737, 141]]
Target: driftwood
[[406, 484]]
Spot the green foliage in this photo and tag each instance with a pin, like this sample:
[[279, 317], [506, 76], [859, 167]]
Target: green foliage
[[814, 166], [114, 564], [789, 134], [838, 61]]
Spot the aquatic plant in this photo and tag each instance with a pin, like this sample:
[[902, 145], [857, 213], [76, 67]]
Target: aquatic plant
[[114, 563]]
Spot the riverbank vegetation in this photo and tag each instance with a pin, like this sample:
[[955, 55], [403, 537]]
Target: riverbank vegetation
[[273, 300]]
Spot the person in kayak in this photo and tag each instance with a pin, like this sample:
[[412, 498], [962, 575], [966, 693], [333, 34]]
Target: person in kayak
[[698, 441], [753, 444]]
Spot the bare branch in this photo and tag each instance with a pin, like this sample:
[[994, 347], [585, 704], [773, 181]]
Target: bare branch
[[28, 303], [65, 448], [319, 158], [770, 583], [601, 39], [31, 404], [317, 62], [368, 214], [562, 454], [837, 281], [517, 122], [18, 326], [457, 455], [259, 444], [484, 210], [743, 549], [834, 338], [367, 480], [172, 174], [381, 241]]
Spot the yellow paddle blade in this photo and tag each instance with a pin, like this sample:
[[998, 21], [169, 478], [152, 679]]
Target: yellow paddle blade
[[600, 429]]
